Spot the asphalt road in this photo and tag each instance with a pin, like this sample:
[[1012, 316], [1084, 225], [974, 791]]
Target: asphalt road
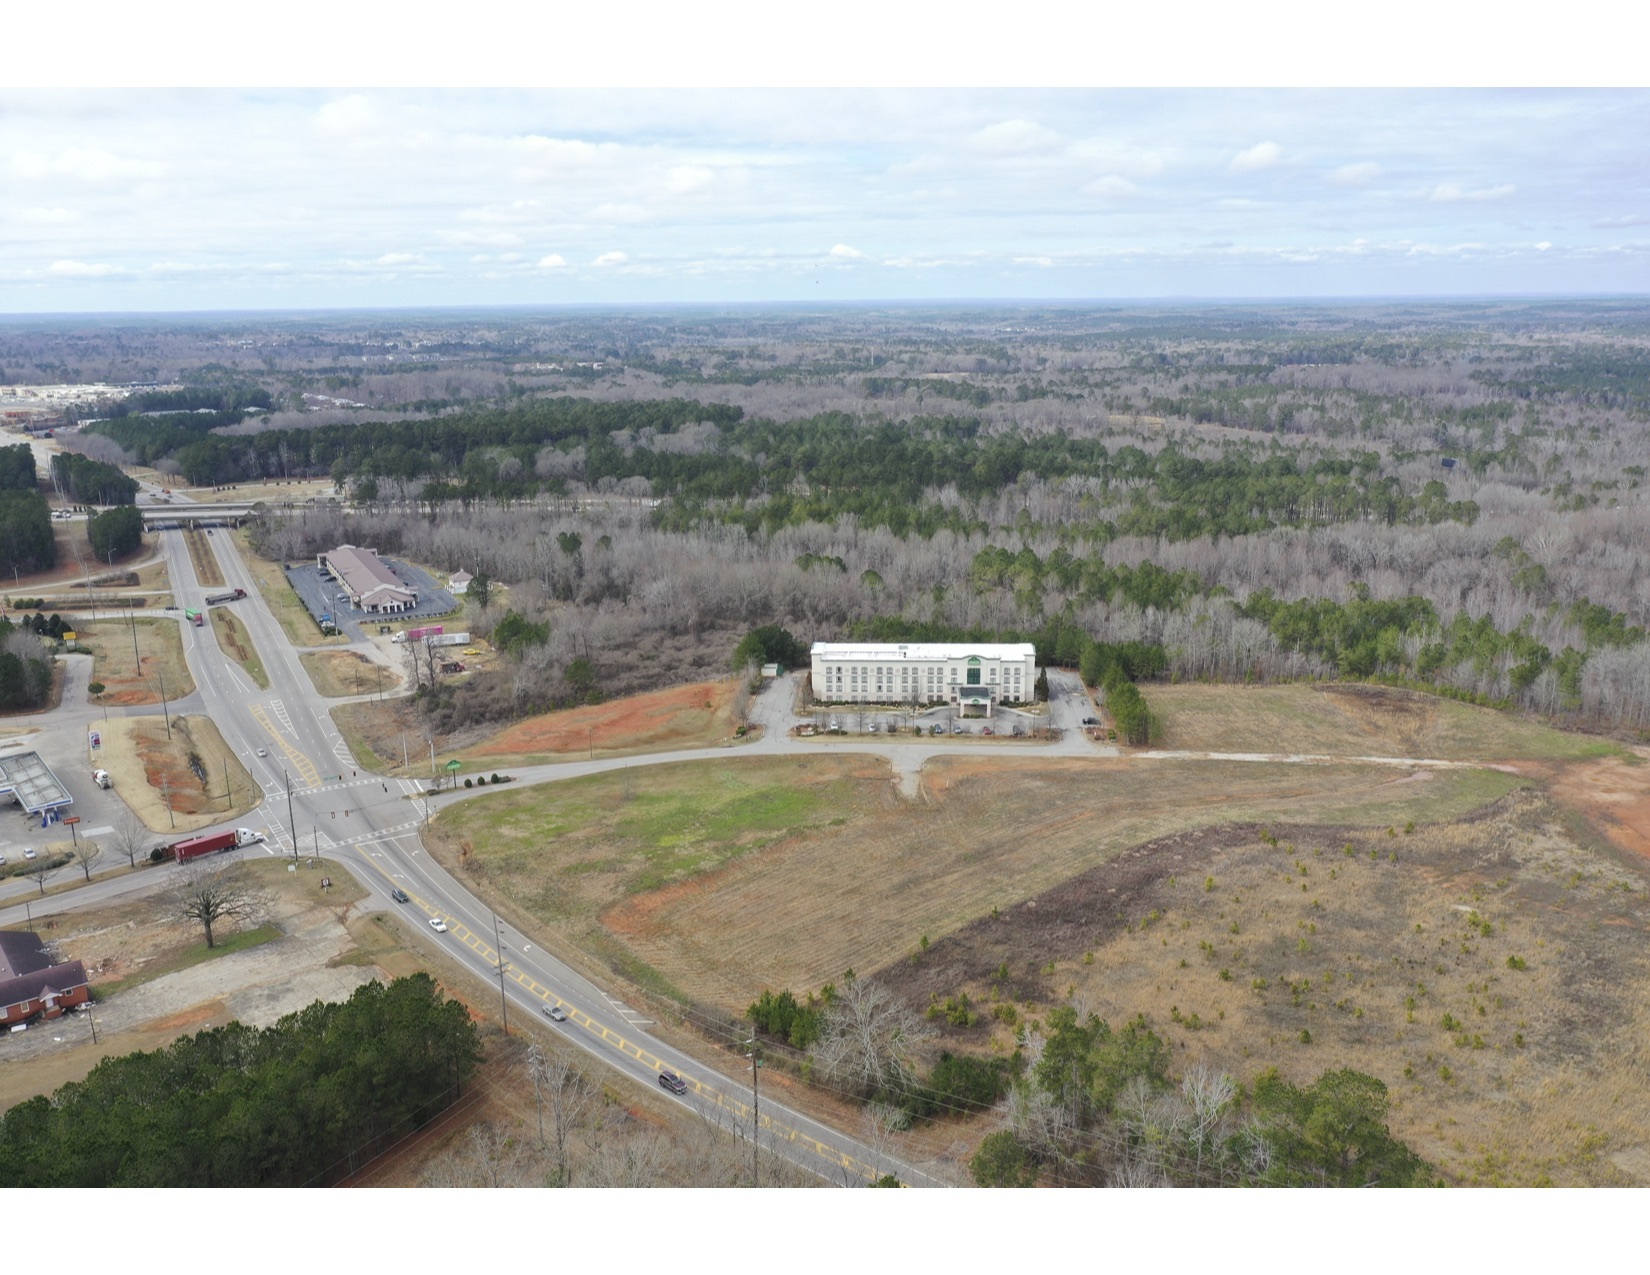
[[318, 800]]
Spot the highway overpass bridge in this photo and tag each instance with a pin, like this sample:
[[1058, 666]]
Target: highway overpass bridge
[[226, 514]]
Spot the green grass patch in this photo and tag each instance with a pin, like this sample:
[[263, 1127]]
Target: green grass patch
[[190, 957]]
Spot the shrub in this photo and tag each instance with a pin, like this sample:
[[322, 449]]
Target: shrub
[[1517, 963]]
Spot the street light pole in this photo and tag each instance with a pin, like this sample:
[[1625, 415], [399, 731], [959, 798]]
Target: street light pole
[[503, 1004], [756, 1111], [291, 822]]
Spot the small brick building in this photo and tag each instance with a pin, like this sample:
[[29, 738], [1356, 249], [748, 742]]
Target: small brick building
[[33, 984]]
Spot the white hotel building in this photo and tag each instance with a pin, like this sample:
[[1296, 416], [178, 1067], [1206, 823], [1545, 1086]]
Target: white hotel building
[[975, 676]]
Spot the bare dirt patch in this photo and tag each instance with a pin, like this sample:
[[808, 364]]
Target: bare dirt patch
[[340, 673], [159, 660], [189, 769], [1612, 794], [235, 642], [1491, 970], [693, 716]]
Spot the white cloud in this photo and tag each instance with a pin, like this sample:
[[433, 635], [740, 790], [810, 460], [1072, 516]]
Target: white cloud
[[398, 259], [1111, 186], [81, 270], [46, 216], [619, 214], [844, 253], [486, 238], [1355, 174], [1014, 137], [84, 164], [555, 261], [1045, 262], [686, 179], [349, 116], [1543, 246], [1450, 193], [1260, 155], [610, 259]]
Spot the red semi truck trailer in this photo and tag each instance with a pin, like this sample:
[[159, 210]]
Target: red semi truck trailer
[[194, 847]]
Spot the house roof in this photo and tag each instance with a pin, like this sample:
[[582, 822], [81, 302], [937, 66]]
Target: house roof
[[364, 572], [893, 652]]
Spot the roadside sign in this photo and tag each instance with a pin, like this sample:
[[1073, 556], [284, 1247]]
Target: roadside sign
[[454, 764], [69, 635], [97, 739], [72, 819]]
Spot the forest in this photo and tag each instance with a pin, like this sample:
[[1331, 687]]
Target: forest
[[301, 1103], [1445, 495]]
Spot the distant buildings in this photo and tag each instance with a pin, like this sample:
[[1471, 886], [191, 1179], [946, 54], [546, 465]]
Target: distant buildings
[[973, 676], [368, 583], [458, 584], [33, 984]]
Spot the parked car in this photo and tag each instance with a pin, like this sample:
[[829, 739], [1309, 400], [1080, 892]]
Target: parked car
[[400, 896], [438, 925], [555, 1013], [29, 853], [671, 1081]]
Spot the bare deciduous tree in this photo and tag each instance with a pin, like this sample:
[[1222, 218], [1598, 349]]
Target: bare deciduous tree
[[870, 1039], [89, 853], [129, 837], [210, 893]]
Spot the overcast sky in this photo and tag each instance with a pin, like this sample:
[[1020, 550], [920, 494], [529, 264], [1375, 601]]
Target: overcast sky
[[186, 200]]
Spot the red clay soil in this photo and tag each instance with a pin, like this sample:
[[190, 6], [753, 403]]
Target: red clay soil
[[1612, 794], [695, 714]]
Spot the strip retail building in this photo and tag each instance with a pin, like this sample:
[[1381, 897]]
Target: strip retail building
[[975, 676]]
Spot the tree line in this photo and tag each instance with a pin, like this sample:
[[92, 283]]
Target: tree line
[[297, 1104]]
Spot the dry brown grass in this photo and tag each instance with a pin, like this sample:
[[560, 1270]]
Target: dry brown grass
[[140, 759], [201, 557], [696, 715], [1233, 947], [235, 642], [1350, 719], [160, 656], [340, 673]]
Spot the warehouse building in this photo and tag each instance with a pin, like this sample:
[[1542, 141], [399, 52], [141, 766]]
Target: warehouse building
[[975, 677], [369, 583]]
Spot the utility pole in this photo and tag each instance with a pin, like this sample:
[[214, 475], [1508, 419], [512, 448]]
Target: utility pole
[[92, 1020], [165, 713], [535, 1069], [228, 797], [405, 764], [756, 1111], [503, 1004], [291, 822]]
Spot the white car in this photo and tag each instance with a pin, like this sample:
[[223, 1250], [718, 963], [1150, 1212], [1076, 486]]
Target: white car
[[438, 925], [29, 853], [263, 752]]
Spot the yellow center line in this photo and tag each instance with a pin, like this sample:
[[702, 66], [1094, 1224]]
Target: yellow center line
[[301, 763], [578, 1017]]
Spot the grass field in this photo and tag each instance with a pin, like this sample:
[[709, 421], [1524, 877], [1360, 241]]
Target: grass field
[[1492, 971], [145, 766], [340, 673], [294, 617], [236, 643], [722, 912], [160, 658], [1348, 719]]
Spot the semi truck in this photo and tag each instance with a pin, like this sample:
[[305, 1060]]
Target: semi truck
[[218, 599], [414, 635], [194, 617], [218, 842], [450, 639]]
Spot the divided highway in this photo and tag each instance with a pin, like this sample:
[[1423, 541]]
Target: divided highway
[[286, 737]]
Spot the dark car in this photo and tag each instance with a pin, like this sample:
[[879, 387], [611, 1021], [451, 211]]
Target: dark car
[[671, 1081], [400, 896]]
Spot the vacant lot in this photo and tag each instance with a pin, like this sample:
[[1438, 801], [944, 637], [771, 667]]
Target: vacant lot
[[294, 617], [849, 876], [1492, 971], [159, 659], [193, 769], [1351, 720], [153, 979], [340, 673], [236, 643], [693, 716], [698, 715]]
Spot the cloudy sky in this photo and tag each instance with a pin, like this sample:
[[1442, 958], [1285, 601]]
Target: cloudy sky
[[207, 199]]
